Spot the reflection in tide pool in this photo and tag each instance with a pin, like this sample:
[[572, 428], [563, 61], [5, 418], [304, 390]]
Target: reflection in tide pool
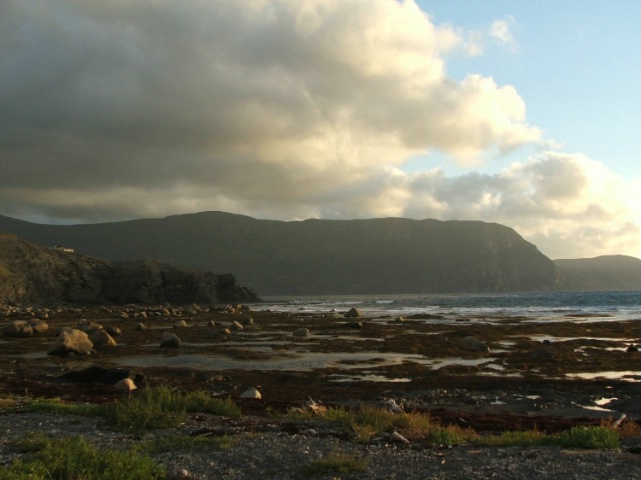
[[366, 378], [629, 376], [302, 362]]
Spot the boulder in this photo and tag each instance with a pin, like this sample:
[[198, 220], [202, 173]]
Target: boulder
[[18, 328], [141, 327], [100, 338], [88, 326], [125, 385], [353, 313], [251, 393], [473, 344], [38, 325], [74, 341], [301, 332], [180, 324], [169, 340]]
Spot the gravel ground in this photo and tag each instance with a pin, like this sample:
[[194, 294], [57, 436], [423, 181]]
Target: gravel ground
[[267, 451]]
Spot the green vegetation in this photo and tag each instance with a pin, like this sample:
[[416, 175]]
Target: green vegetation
[[368, 422], [335, 462], [577, 437], [528, 438], [589, 437], [147, 409], [162, 407], [74, 458], [5, 273], [44, 458]]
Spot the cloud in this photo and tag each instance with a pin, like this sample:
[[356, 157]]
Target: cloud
[[276, 109], [567, 204], [501, 31]]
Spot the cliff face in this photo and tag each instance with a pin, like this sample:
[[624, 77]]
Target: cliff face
[[30, 274], [608, 272], [390, 255]]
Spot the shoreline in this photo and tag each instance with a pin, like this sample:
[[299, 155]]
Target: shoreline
[[517, 384]]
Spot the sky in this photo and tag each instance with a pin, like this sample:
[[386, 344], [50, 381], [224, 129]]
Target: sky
[[522, 113]]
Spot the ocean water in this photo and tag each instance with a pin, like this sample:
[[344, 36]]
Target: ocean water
[[538, 306]]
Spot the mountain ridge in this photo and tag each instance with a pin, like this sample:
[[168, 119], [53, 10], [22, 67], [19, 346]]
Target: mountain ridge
[[273, 257]]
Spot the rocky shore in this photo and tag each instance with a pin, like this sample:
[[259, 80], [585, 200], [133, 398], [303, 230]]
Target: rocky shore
[[269, 450], [494, 375]]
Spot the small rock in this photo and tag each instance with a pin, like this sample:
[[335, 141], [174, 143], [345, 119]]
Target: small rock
[[141, 327], [236, 326], [473, 344], [114, 331], [180, 324], [169, 340], [397, 438], [354, 312], [251, 393], [38, 326], [100, 338], [301, 332], [125, 385]]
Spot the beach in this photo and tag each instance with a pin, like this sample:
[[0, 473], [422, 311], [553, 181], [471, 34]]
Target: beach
[[516, 374]]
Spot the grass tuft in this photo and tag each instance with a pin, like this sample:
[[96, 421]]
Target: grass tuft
[[74, 458], [589, 437], [335, 462], [369, 422], [162, 407], [147, 409]]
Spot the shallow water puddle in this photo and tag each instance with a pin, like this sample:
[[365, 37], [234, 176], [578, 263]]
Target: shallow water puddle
[[552, 338], [623, 375], [366, 378], [305, 362], [466, 362], [308, 361]]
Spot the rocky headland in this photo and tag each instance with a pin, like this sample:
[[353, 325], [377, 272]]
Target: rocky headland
[[34, 275]]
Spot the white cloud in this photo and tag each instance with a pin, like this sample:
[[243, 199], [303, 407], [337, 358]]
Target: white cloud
[[567, 204], [501, 31]]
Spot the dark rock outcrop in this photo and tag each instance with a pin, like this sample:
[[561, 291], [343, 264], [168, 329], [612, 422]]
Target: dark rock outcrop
[[31, 274]]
